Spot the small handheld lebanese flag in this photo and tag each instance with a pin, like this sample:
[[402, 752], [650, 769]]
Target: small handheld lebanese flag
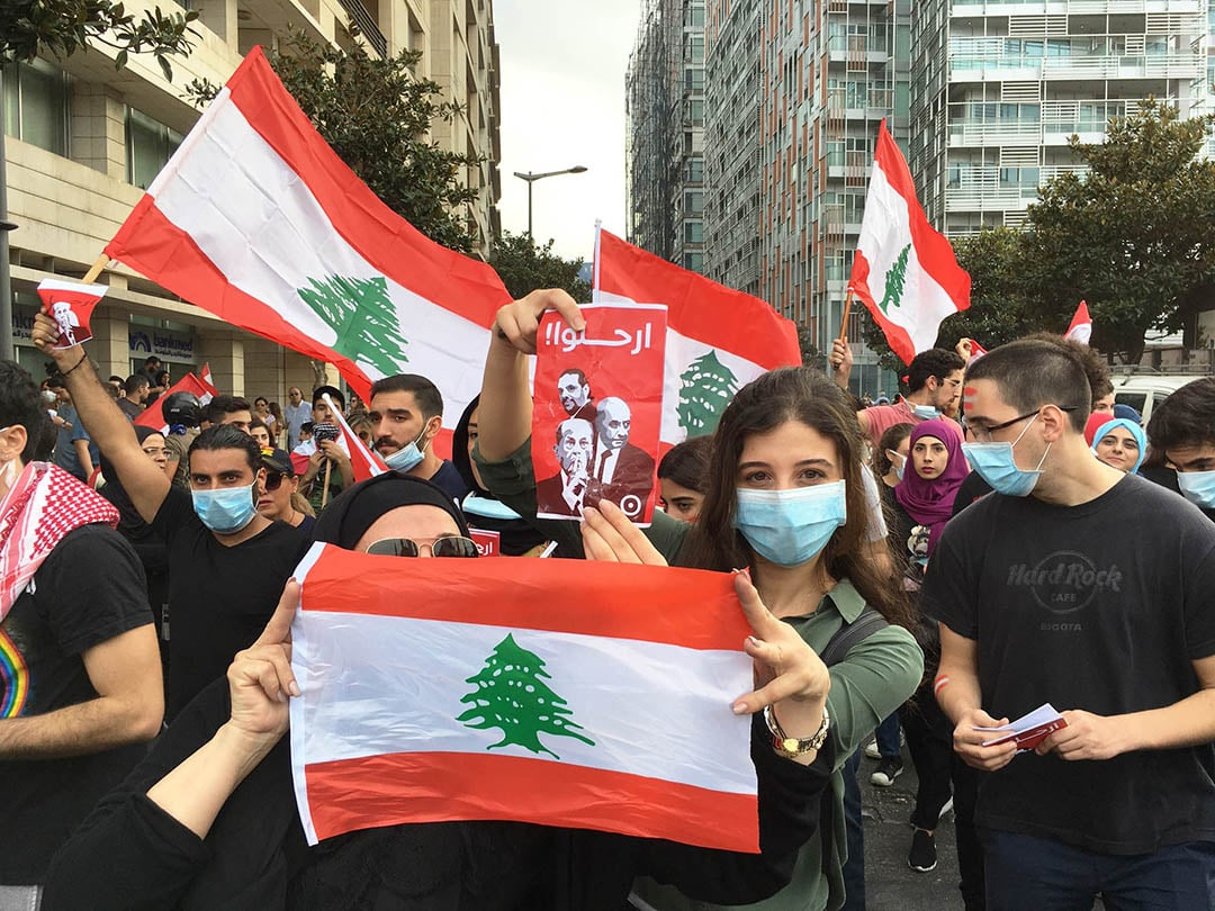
[[70, 305], [364, 463], [904, 270], [1081, 329], [204, 374], [492, 699], [718, 339], [153, 416], [257, 220]]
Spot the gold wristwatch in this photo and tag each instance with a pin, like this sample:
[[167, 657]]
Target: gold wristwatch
[[791, 747]]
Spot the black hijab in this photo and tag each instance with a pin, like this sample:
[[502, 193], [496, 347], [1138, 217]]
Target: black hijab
[[130, 523], [349, 516], [516, 535]]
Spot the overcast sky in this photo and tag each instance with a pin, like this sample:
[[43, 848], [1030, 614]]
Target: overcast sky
[[563, 66]]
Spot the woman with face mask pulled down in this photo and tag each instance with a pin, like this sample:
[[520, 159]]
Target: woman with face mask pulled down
[[786, 502]]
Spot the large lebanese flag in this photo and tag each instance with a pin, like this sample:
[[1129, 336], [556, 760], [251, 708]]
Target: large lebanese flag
[[904, 269], [153, 416], [256, 219], [718, 339], [492, 699]]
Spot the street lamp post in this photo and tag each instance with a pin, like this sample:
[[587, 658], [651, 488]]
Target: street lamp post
[[531, 178]]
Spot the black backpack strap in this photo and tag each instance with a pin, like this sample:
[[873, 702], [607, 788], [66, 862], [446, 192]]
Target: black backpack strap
[[867, 622]]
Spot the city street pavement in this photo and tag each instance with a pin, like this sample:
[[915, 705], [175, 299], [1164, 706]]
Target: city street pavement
[[891, 885]]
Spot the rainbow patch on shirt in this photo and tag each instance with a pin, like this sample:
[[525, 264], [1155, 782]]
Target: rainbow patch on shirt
[[14, 678]]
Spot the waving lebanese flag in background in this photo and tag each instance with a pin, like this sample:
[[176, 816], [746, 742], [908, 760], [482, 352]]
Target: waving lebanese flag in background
[[492, 699], [365, 463], [904, 270], [1081, 328], [257, 220], [718, 339], [153, 415]]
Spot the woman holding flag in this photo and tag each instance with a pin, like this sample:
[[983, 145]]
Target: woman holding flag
[[786, 503]]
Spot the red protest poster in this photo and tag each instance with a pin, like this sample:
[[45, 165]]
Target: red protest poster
[[598, 410], [489, 543], [70, 304]]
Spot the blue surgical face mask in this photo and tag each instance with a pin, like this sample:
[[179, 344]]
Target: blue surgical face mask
[[997, 465], [225, 510], [790, 527], [925, 412], [408, 458], [1198, 487], [486, 508]]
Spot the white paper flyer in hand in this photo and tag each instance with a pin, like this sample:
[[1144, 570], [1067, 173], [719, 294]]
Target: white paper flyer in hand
[[1029, 730]]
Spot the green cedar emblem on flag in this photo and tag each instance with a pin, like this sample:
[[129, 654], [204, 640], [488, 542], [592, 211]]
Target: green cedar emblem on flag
[[512, 696], [364, 318], [896, 278], [707, 387]]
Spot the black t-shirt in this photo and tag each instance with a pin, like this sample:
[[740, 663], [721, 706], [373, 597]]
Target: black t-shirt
[[973, 488], [88, 590], [448, 478], [1100, 607], [220, 598]]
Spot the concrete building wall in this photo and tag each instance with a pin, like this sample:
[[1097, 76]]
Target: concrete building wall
[[83, 138]]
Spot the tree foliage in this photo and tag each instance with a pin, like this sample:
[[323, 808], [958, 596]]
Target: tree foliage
[[1131, 235], [64, 27], [525, 266], [376, 115]]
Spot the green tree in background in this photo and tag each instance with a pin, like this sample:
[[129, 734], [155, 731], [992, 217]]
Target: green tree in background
[[376, 114], [64, 27], [525, 266]]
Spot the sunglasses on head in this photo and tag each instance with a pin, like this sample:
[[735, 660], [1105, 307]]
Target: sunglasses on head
[[450, 546]]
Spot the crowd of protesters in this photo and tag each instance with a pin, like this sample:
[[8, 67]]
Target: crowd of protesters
[[1000, 537]]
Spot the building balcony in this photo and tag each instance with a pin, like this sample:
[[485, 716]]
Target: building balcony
[[963, 9], [971, 67]]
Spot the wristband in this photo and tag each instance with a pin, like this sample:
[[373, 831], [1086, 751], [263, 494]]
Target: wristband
[[76, 366], [939, 684]]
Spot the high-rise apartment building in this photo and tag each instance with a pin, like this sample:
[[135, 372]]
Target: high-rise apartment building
[[666, 116], [732, 149], [83, 140], [1000, 87], [830, 73]]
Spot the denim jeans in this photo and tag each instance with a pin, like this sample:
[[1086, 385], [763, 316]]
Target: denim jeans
[[1023, 871], [854, 867], [887, 736]]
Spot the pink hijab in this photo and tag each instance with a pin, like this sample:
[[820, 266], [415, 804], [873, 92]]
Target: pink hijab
[[930, 502]]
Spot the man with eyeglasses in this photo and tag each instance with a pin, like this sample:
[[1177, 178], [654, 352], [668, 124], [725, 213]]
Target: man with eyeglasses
[[296, 413], [227, 564], [1090, 589], [934, 380]]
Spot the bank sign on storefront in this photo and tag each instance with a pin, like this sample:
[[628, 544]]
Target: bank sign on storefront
[[164, 343]]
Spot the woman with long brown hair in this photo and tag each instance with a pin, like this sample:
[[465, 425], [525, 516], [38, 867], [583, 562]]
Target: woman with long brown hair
[[786, 501]]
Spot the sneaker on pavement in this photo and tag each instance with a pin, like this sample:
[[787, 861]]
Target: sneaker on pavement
[[872, 751], [923, 854], [887, 771]]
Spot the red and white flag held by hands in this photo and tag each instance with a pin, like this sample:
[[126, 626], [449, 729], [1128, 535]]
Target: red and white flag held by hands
[[492, 699], [718, 339], [70, 305], [153, 416], [204, 374], [904, 270], [257, 220], [1081, 329], [365, 463]]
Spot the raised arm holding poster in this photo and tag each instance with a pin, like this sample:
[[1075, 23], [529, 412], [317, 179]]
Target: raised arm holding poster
[[598, 411]]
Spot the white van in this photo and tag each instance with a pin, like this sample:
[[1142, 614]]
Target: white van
[[1143, 391]]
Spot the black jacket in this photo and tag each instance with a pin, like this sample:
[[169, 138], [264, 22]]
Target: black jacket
[[129, 855]]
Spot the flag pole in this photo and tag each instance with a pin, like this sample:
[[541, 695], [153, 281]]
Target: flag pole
[[847, 313], [595, 261], [95, 270], [325, 492]]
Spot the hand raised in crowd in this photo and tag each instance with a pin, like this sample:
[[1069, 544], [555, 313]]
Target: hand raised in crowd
[[260, 679], [789, 674], [609, 535], [968, 743], [840, 359], [1087, 736], [45, 335], [329, 449], [517, 322], [965, 349]]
